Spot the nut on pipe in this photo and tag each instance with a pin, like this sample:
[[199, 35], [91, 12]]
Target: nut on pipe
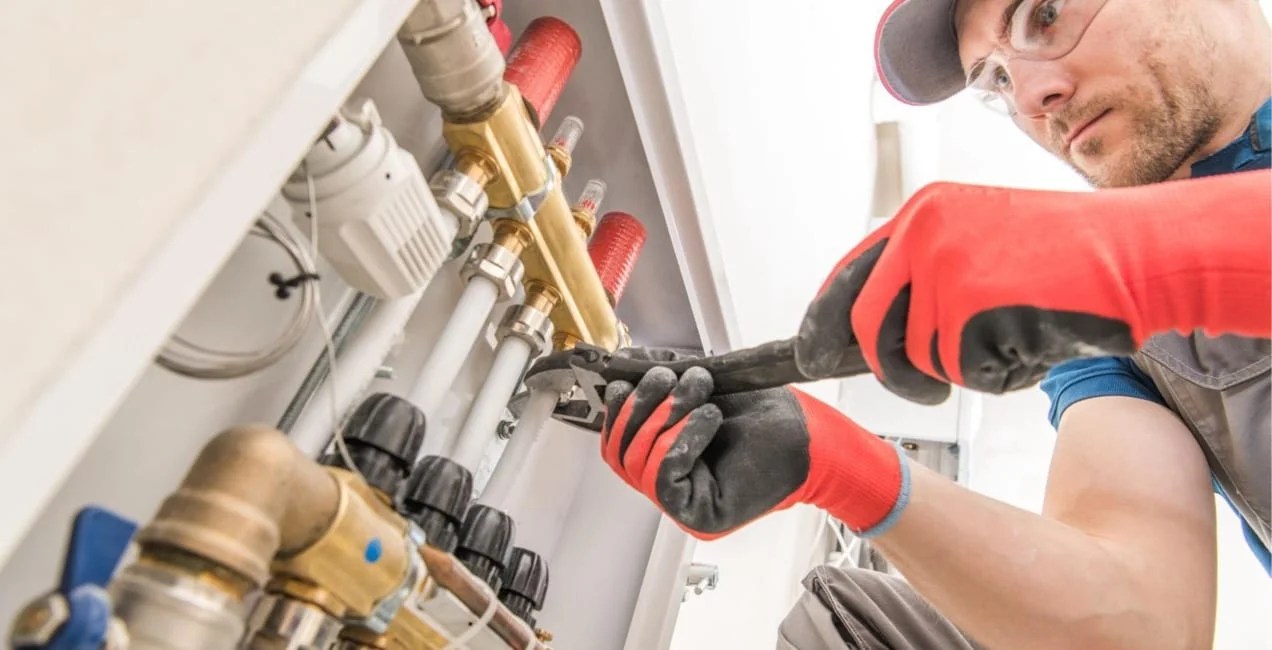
[[456, 60], [531, 321], [248, 495]]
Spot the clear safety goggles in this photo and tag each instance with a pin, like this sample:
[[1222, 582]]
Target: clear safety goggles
[[1038, 30]]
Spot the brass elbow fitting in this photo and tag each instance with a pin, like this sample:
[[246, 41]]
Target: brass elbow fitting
[[249, 495], [253, 507]]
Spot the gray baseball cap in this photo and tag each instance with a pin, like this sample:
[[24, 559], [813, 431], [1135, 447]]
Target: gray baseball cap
[[916, 51]]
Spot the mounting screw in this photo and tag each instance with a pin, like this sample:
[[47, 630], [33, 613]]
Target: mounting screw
[[504, 429], [700, 578]]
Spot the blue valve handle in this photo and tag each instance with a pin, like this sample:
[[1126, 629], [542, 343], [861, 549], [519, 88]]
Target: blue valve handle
[[99, 539]]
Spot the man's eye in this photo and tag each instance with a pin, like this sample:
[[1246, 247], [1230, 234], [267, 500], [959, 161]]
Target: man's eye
[[999, 79], [1046, 14]]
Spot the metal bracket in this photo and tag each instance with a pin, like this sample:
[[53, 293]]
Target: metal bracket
[[700, 578], [529, 205]]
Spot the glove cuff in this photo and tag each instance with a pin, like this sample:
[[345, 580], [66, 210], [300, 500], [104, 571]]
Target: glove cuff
[[854, 475], [903, 499]]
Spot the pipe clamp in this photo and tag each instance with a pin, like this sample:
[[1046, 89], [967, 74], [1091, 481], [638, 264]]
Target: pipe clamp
[[529, 205]]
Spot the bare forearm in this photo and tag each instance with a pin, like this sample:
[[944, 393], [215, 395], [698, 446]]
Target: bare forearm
[[1011, 578]]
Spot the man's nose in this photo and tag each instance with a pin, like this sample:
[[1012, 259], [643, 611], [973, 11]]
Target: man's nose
[[1041, 87]]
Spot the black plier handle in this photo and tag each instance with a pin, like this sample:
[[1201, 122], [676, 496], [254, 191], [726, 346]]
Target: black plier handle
[[765, 366]]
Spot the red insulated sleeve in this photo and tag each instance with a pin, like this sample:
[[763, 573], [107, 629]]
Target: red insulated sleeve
[[614, 248], [541, 62], [493, 10]]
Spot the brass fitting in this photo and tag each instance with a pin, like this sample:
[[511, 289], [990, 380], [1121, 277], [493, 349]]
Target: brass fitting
[[499, 261], [249, 494], [461, 191], [527, 192], [560, 158], [586, 207], [586, 221], [560, 148], [253, 506], [531, 320], [361, 559], [341, 558], [564, 341]]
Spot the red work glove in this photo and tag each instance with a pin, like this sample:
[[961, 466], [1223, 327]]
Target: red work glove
[[714, 463], [988, 288]]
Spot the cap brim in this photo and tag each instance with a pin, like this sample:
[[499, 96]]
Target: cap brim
[[916, 51]]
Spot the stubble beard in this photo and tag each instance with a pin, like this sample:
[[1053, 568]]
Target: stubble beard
[[1164, 133]]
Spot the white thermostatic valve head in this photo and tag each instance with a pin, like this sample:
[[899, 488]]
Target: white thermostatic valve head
[[378, 223]]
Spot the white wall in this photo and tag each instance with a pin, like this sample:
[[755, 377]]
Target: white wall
[[774, 95]]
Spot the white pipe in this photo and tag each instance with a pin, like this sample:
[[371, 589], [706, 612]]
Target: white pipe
[[511, 358], [363, 354], [452, 347], [517, 456]]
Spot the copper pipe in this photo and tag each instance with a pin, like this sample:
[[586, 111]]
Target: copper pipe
[[449, 574]]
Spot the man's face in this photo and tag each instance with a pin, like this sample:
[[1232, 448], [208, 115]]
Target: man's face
[[1129, 105]]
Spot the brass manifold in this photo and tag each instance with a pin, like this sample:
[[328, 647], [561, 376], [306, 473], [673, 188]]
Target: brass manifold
[[501, 151], [254, 512]]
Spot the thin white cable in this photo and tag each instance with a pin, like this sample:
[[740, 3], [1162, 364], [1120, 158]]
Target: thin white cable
[[461, 641], [191, 359], [329, 342], [844, 547]]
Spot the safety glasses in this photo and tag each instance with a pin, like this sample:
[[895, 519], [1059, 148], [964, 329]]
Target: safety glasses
[[1038, 30]]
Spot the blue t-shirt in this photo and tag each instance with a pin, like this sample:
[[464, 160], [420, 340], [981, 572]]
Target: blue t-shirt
[[1074, 381]]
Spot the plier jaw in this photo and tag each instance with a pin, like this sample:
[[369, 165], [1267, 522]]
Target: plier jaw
[[578, 375]]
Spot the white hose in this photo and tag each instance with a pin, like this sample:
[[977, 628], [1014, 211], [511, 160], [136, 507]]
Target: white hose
[[452, 348], [511, 358], [362, 356], [517, 456]]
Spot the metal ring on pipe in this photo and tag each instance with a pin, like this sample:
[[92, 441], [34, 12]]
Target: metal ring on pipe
[[187, 358], [529, 205]]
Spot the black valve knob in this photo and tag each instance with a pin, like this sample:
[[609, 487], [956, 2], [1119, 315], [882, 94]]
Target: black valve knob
[[525, 584], [436, 498], [485, 543], [383, 436]]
